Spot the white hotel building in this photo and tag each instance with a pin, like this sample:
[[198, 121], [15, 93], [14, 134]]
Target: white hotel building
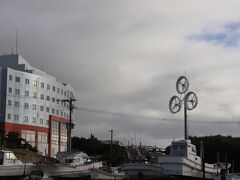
[[28, 105]]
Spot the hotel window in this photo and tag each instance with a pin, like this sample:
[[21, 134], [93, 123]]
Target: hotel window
[[41, 108], [29, 136], [47, 109], [63, 134], [17, 91], [42, 96], [57, 112], [48, 86], [47, 122], [25, 119], [10, 90], [16, 103], [61, 113], [16, 117], [53, 99], [26, 81], [53, 88], [10, 77], [34, 119], [42, 137], [55, 132], [48, 98], [42, 85], [26, 93], [9, 116], [9, 102], [35, 83], [17, 79], [65, 93], [26, 105], [53, 111], [62, 91], [34, 106], [58, 90], [41, 121], [34, 94]]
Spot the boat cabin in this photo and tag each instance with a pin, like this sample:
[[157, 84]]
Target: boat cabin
[[73, 159], [8, 158], [184, 148]]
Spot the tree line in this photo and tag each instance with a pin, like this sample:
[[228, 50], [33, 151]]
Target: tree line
[[220, 148]]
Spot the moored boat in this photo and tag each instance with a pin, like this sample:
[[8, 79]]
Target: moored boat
[[106, 173], [143, 170], [183, 161], [73, 164], [11, 167]]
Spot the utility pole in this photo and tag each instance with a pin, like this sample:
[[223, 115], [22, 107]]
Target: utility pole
[[111, 153], [70, 125]]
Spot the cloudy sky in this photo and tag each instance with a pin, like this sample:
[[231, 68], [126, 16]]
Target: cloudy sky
[[123, 58]]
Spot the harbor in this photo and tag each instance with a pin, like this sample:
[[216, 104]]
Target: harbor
[[119, 90], [182, 162]]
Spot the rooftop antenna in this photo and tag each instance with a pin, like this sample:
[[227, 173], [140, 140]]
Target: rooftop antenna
[[16, 41]]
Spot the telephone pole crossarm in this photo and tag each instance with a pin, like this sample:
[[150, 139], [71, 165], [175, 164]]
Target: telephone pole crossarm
[[70, 125]]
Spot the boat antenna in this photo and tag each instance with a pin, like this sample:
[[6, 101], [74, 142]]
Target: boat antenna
[[135, 139], [203, 158]]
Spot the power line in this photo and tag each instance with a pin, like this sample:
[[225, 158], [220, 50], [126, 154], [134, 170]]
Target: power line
[[162, 119]]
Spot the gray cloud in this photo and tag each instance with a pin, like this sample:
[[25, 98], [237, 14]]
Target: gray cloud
[[125, 57]]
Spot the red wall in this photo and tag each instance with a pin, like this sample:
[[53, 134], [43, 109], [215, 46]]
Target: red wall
[[5, 127]]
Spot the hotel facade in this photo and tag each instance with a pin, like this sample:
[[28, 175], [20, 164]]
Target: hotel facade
[[29, 105]]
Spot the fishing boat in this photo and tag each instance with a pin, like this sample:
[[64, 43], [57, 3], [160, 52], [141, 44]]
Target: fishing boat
[[69, 165], [105, 173], [143, 170], [183, 161], [139, 167], [109, 172], [11, 167]]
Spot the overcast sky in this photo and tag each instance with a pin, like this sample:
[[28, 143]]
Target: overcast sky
[[123, 58]]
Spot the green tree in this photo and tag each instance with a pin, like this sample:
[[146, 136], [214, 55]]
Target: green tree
[[93, 147], [13, 140], [219, 147]]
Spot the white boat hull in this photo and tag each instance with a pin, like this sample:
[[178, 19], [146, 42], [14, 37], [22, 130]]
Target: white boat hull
[[15, 170], [134, 169], [59, 170], [98, 174], [182, 166]]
